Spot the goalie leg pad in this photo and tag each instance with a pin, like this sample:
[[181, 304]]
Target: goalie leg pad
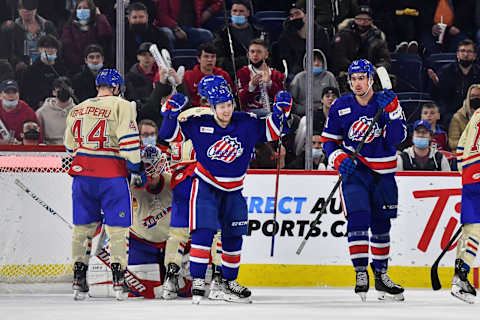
[[468, 244], [118, 244], [175, 248], [99, 278], [82, 241], [150, 272]]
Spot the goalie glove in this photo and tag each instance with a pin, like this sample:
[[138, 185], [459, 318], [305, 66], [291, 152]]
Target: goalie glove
[[388, 100], [174, 104], [137, 176]]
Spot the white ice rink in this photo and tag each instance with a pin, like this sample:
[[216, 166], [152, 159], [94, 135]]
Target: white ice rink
[[275, 304]]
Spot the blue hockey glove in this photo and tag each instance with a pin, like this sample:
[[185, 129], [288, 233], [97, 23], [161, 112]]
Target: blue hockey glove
[[137, 176], [175, 103], [344, 165], [283, 102], [388, 100]]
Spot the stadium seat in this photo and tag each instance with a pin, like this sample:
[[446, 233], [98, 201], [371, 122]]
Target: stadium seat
[[184, 57], [437, 60], [412, 103], [271, 14], [216, 23], [272, 25], [409, 72]]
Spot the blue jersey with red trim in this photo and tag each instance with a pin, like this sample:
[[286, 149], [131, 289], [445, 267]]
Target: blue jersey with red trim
[[223, 154], [348, 122]]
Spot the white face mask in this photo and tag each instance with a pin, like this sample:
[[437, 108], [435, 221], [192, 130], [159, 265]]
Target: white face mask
[[150, 140], [9, 104], [317, 153]]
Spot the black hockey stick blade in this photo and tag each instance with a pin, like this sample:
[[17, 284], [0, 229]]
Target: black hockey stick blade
[[436, 285]]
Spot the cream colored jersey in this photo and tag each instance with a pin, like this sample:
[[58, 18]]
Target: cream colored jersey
[[101, 134], [468, 151], [152, 211]]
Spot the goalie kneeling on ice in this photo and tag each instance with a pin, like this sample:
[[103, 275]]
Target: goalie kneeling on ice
[[99, 278]]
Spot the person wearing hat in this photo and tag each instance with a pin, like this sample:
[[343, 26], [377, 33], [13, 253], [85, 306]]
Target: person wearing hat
[[359, 38], [84, 81], [13, 111], [19, 38], [139, 79], [322, 78], [292, 40], [422, 156], [85, 26], [463, 115]]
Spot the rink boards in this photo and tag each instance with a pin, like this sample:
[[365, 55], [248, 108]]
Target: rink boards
[[429, 206]]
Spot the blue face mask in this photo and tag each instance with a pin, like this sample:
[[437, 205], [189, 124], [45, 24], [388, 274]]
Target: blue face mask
[[317, 70], [150, 140], [49, 57], [95, 67], [421, 143], [9, 104], [83, 14], [239, 20]]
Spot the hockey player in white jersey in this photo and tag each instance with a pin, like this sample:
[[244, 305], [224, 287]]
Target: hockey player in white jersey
[[102, 137], [468, 156], [369, 190]]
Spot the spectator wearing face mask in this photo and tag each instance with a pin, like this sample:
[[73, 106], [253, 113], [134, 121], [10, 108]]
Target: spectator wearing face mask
[[85, 26], [422, 156], [84, 81], [463, 115], [38, 79], [322, 78], [30, 133], [13, 111], [319, 157], [53, 113]]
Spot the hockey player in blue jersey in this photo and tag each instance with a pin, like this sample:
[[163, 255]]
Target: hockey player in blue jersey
[[223, 143], [368, 188]]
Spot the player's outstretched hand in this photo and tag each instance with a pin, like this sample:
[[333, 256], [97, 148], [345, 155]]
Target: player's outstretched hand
[[345, 165], [388, 100], [175, 103], [137, 175], [283, 102]]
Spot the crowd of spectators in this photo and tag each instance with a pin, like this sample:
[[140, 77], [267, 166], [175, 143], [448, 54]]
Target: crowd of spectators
[[51, 51]]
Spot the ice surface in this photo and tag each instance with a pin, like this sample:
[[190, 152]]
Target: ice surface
[[269, 303]]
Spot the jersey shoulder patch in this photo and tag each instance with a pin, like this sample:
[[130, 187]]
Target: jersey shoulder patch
[[194, 112]]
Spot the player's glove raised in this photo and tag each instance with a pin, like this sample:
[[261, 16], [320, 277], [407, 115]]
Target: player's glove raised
[[137, 175], [175, 103], [344, 165], [388, 100], [283, 102]]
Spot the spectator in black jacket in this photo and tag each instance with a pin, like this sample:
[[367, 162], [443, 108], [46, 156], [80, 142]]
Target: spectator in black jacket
[[84, 81], [292, 41], [38, 78], [242, 32], [139, 30]]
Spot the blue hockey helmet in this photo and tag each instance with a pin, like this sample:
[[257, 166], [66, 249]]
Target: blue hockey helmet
[[208, 82], [110, 78], [215, 89], [361, 66]]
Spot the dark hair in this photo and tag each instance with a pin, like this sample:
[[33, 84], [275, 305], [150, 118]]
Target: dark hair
[[91, 6], [6, 70], [467, 42], [61, 82], [28, 4], [207, 47], [28, 121], [48, 41], [137, 6], [93, 48], [147, 122], [260, 42], [430, 105], [316, 133], [242, 2]]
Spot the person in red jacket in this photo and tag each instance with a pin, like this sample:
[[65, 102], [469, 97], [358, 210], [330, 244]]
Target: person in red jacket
[[14, 112], [207, 58], [258, 82], [182, 20]]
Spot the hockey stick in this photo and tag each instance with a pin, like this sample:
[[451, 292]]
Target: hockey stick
[[143, 287], [386, 84], [232, 53], [436, 285]]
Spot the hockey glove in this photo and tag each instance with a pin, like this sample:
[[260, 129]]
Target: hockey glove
[[388, 100], [283, 102], [344, 165], [175, 103], [137, 176]]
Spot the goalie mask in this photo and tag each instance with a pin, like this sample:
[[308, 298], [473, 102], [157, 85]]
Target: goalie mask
[[154, 160]]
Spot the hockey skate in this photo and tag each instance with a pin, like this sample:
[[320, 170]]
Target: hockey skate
[[362, 284], [216, 287], [198, 290], [386, 288], [170, 287], [235, 292], [80, 285], [120, 286], [461, 287]]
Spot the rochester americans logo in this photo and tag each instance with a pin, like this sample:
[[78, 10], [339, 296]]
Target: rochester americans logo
[[227, 149], [359, 128]]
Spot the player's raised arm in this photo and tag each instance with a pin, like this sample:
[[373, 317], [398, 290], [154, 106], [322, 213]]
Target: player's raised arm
[[396, 126], [277, 121], [170, 130]]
